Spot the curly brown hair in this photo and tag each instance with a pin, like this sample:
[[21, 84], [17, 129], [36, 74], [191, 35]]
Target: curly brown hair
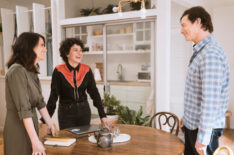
[[66, 45]]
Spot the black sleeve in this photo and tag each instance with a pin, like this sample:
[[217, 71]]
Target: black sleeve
[[94, 94], [54, 93]]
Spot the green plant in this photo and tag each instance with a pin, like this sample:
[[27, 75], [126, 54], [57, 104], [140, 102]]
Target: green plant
[[108, 9], [111, 104], [137, 5], [90, 12], [128, 116]]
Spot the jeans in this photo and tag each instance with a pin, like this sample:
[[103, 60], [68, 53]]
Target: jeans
[[191, 137], [71, 115]]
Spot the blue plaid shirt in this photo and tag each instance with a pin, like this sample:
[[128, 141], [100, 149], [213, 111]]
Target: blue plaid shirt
[[207, 89]]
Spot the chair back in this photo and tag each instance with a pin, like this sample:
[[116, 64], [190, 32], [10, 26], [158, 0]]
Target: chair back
[[223, 150], [170, 119]]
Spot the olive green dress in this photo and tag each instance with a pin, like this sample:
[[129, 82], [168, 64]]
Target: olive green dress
[[23, 95]]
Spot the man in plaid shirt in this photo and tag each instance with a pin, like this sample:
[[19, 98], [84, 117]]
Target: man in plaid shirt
[[207, 85]]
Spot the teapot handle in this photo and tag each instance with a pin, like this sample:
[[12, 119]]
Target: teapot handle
[[96, 134]]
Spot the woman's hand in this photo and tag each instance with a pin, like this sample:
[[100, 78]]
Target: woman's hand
[[38, 148], [105, 121], [53, 129]]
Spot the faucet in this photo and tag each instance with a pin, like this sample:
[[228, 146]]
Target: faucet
[[120, 72]]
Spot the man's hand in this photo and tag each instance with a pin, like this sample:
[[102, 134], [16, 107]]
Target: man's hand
[[181, 124], [201, 148]]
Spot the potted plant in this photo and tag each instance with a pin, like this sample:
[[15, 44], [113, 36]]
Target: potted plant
[[111, 106], [128, 116]]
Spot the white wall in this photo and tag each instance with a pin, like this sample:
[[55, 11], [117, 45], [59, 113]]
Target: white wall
[[224, 31], [180, 54], [163, 56]]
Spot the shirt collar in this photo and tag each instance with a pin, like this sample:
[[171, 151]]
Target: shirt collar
[[72, 68], [202, 43]]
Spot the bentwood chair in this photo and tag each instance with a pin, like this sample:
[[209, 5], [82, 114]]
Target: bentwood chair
[[223, 150], [166, 119]]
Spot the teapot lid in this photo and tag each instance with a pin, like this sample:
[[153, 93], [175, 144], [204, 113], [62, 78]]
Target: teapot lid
[[105, 130]]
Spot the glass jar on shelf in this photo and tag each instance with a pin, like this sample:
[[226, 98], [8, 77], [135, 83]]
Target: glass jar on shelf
[[119, 36]]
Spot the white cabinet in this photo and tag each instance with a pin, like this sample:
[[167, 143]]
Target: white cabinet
[[143, 35], [119, 47], [131, 96], [134, 37], [126, 45], [120, 38]]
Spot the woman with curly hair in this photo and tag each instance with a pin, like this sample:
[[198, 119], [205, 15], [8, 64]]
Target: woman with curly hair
[[70, 81]]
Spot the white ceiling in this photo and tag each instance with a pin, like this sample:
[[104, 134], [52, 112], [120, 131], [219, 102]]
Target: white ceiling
[[217, 3], [207, 3]]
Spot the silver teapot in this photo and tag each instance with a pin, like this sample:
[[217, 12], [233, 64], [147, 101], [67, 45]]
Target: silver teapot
[[104, 137]]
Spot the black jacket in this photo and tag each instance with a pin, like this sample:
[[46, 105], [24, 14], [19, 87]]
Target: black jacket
[[70, 85]]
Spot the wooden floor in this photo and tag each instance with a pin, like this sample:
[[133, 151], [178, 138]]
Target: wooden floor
[[226, 139]]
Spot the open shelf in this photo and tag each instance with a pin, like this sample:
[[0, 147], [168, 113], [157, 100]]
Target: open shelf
[[120, 35], [118, 52]]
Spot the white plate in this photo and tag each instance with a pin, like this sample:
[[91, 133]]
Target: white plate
[[121, 138]]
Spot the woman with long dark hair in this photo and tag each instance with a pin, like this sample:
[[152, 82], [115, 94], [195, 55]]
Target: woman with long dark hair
[[23, 96]]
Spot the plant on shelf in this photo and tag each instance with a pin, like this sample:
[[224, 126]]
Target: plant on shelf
[[108, 9], [128, 116], [111, 104], [90, 12], [137, 5]]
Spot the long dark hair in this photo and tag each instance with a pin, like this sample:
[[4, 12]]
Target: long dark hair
[[199, 12], [23, 52]]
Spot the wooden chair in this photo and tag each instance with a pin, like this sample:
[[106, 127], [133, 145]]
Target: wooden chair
[[228, 117], [173, 125], [223, 150]]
